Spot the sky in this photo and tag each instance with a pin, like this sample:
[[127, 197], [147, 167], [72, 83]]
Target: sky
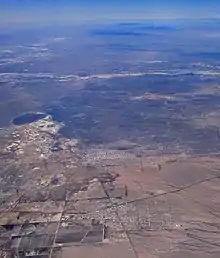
[[66, 11]]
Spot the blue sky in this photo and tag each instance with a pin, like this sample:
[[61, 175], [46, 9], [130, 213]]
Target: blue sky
[[55, 11]]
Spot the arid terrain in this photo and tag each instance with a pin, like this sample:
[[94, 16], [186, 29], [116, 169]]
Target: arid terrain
[[107, 148], [58, 200]]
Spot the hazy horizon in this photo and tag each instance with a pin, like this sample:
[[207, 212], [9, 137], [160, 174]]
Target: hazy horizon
[[66, 11]]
